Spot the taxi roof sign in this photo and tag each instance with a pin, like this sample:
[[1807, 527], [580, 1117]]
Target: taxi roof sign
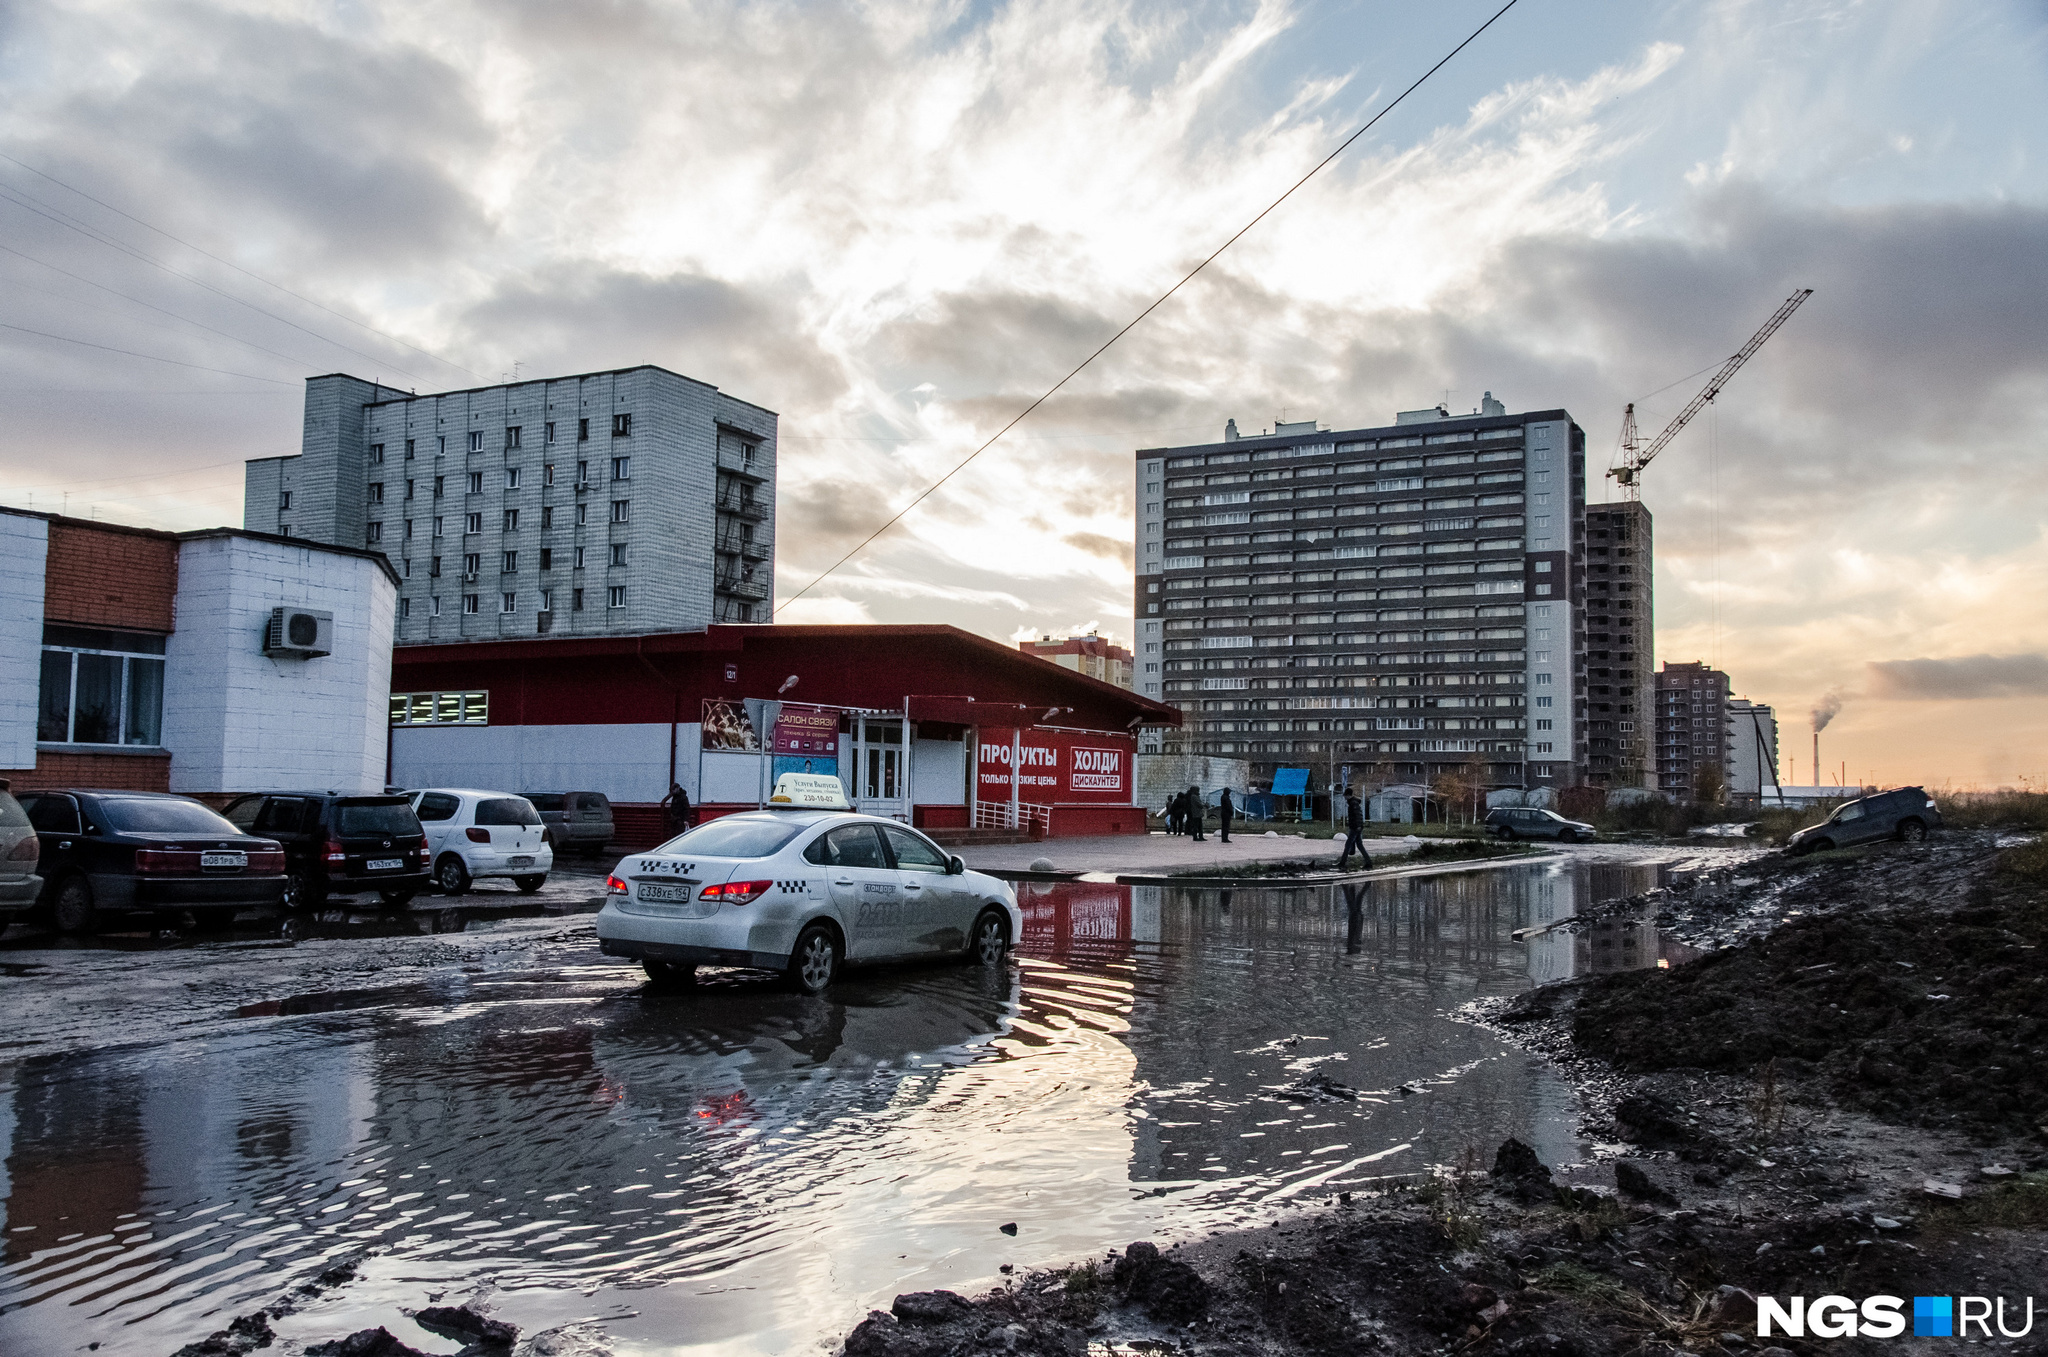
[[809, 791]]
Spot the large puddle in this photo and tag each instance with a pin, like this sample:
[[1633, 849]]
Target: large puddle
[[743, 1170]]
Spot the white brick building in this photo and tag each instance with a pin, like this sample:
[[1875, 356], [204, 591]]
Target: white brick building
[[621, 502]]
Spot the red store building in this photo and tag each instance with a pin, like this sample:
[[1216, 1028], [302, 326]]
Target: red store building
[[928, 724]]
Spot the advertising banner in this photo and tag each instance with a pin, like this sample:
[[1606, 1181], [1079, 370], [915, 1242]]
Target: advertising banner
[[1057, 767], [727, 727], [806, 740]]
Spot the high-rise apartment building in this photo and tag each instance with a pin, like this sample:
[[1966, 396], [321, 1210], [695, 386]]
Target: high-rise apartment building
[[1752, 748], [636, 500], [1090, 655], [1381, 604], [1621, 669], [1692, 727]]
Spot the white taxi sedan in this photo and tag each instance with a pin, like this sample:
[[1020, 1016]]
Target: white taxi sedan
[[802, 892]]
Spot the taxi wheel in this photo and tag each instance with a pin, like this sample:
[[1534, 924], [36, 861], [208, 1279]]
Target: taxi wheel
[[670, 974], [989, 941], [529, 884], [814, 961], [451, 875]]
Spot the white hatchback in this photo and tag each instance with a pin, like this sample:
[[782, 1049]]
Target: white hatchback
[[472, 834], [801, 892]]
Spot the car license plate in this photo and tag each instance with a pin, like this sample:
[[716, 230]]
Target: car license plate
[[223, 859], [656, 893], [522, 861], [385, 864]]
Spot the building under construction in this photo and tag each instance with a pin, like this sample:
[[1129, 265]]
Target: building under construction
[[1619, 646]]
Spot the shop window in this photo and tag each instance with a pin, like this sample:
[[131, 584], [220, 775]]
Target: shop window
[[101, 687]]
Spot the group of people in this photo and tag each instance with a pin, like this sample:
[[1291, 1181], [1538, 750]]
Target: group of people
[[1187, 813]]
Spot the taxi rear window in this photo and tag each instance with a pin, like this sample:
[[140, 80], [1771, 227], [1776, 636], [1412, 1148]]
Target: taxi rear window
[[733, 837]]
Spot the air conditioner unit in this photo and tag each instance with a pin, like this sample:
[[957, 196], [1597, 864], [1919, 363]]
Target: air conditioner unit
[[298, 633]]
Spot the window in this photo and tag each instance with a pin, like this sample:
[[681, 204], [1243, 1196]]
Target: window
[[408, 450], [582, 514], [622, 426], [472, 561], [405, 568], [615, 597], [376, 454], [1543, 567], [511, 563], [284, 501], [583, 431], [1543, 701], [405, 607], [511, 437], [622, 468], [471, 603], [913, 853], [511, 478], [376, 492], [435, 611], [547, 558], [409, 486], [1542, 679], [476, 482], [582, 474], [1543, 746], [1543, 723], [476, 440], [579, 558], [440, 486], [547, 600], [618, 553], [434, 567], [440, 445], [575, 600], [440, 709], [511, 520], [547, 474], [473, 523], [547, 516], [508, 602], [375, 533], [438, 522], [622, 511], [100, 687], [408, 530], [550, 434]]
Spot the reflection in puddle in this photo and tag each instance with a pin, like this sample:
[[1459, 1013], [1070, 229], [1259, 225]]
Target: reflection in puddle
[[741, 1167]]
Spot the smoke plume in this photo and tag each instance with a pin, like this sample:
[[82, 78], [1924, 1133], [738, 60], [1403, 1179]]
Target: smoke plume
[[1963, 676], [1826, 710]]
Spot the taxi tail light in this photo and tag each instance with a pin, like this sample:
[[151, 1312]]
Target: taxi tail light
[[475, 835], [28, 850], [614, 886], [736, 892], [335, 852]]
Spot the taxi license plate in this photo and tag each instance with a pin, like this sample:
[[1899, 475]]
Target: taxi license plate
[[223, 859], [385, 864], [656, 893], [522, 861]]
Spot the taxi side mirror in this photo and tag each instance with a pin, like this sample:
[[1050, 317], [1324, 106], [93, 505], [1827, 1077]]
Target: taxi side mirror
[[954, 866]]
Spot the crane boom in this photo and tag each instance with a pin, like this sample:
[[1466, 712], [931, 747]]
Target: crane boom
[[1634, 458]]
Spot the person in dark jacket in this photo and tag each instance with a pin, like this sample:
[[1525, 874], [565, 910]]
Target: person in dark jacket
[[675, 809], [1197, 812], [1225, 811], [1172, 814], [1354, 823]]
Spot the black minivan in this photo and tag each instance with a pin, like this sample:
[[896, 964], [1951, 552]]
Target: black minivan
[[339, 845]]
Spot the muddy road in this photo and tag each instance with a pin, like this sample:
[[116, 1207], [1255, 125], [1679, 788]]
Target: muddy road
[[192, 1130]]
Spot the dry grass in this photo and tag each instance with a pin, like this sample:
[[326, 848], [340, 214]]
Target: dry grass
[[1993, 810]]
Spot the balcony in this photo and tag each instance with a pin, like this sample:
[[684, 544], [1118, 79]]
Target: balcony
[[742, 506], [754, 469], [739, 586], [734, 544]]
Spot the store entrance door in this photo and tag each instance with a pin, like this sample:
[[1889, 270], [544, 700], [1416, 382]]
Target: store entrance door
[[879, 780]]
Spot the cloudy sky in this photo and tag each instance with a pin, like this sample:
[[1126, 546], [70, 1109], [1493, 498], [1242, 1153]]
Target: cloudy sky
[[895, 224]]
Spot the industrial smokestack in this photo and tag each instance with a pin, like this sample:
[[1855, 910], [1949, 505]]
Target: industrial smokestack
[[1816, 756]]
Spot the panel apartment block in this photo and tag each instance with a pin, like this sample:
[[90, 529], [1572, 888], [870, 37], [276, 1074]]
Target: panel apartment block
[[620, 502], [1693, 726], [1621, 670], [1399, 601]]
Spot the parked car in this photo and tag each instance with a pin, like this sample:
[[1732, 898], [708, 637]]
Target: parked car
[[109, 852], [1903, 813], [19, 853], [474, 834], [339, 845], [578, 820], [1523, 822], [801, 891]]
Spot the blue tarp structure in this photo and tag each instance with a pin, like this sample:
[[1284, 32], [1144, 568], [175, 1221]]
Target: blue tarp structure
[[1290, 782]]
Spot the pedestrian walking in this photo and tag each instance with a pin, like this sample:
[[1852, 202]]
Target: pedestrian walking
[[1172, 814], [1354, 822], [1197, 812], [1225, 811], [675, 809]]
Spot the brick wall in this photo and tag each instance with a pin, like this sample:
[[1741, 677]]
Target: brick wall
[[115, 772], [105, 576]]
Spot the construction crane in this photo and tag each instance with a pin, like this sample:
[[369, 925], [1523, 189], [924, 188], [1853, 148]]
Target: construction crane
[[1634, 456]]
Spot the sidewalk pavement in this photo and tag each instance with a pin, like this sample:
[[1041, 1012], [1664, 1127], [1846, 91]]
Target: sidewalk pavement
[[1143, 854]]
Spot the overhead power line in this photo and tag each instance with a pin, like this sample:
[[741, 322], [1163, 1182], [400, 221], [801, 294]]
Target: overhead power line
[[228, 263], [1157, 302], [108, 348]]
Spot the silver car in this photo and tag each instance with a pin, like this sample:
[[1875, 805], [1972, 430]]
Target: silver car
[[20, 853], [1522, 822], [801, 892]]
